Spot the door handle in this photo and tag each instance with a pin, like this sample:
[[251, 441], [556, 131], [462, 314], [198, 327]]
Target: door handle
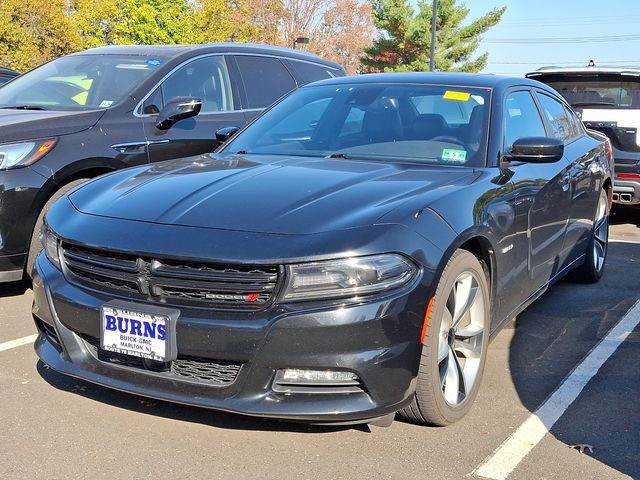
[[137, 147]]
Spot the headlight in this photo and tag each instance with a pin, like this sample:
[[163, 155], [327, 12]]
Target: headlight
[[22, 154], [347, 277], [50, 244]]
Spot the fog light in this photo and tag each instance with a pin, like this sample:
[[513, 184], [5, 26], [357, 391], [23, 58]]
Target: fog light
[[295, 376], [297, 380]]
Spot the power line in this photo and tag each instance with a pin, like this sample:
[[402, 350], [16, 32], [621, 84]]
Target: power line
[[540, 40], [577, 20], [551, 62]]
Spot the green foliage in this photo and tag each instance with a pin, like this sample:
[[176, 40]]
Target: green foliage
[[144, 22], [221, 21], [149, 22], [34, 31], [406, 40]]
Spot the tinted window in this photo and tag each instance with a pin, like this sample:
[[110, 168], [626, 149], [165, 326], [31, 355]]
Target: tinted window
[[454, 109], [369, 121], [80, 82], [4, 79], [153, 104], [575, 123], [353, 121], [265, 80], [306, 119], [205, 78], [597, 90], [557, 118], [522, 118], [311, 72]]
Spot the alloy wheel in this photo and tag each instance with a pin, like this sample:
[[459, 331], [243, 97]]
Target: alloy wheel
[[601, 234], [461, 339]]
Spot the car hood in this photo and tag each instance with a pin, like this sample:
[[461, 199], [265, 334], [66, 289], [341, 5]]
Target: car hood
[[19, 125], [262, 193]]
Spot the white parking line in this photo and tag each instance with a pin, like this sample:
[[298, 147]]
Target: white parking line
[[17, 343], [507, 457], [613, 240]]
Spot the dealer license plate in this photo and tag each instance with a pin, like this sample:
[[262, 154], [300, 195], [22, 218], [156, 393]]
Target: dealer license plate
[[133, 333]]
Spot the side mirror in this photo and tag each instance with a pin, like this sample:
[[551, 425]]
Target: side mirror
[[225, 133], [178, 109], [536, 150]]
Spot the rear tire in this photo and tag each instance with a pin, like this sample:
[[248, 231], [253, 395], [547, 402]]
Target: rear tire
[[455, 346], [593, 267], [35, 247]]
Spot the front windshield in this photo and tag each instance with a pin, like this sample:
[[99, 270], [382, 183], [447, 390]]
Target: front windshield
[[78, 82], [407, 122]]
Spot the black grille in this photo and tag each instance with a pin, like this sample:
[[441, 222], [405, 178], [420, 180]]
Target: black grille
[[170, 281], [50, 333], [217, 372]]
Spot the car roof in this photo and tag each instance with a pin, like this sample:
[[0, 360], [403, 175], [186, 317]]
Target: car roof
[[174, 51], [480, 80], [635, 71]]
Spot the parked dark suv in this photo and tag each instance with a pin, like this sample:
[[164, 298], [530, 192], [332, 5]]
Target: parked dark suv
[[113, 107], [7, 74]]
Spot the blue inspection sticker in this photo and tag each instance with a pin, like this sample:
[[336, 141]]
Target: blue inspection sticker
[[154, 62]]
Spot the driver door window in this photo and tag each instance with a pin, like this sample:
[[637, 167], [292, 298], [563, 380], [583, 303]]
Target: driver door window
[[521, 118], [205, 78]]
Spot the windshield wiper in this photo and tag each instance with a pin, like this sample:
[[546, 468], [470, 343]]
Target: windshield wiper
[[588, 104], [344, 156], [23, 107]]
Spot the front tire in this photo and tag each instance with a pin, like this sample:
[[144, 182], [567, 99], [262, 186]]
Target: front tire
[[35, 247], [455, 346]]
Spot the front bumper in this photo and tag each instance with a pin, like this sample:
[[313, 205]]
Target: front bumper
[[378, 340]]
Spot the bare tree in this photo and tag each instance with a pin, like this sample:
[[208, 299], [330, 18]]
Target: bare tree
[[302, 18], [346, 29], [267, 16]]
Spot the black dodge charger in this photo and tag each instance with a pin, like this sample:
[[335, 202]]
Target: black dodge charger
[[347, 256]]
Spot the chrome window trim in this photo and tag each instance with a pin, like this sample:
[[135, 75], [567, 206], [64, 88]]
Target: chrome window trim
[[246, 54], [138, 106]]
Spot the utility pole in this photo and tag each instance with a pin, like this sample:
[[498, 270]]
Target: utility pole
[[434, 18]]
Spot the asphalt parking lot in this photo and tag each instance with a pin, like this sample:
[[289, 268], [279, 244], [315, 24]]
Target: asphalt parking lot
[[58, 427]]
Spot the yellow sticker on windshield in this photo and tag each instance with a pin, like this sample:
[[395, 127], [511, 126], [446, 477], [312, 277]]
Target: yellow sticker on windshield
[[451, 95]]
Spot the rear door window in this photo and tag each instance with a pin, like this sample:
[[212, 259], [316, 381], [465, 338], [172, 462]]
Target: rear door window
[[265, 80], [557, 118], [521, 118], [311, 72], [576, 124]]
